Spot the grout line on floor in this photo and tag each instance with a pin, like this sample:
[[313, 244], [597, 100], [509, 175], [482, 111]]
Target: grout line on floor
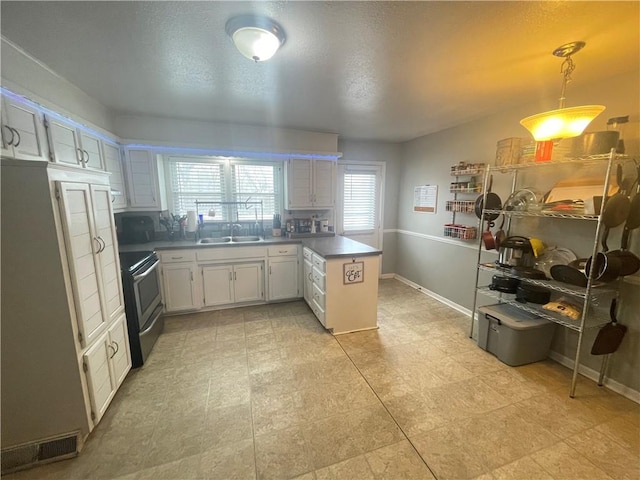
[[387, 410]]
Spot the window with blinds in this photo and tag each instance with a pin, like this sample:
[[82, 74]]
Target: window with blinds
[[359, 210], [225, 180]]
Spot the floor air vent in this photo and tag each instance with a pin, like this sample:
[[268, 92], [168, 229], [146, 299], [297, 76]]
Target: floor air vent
[[25, 456]]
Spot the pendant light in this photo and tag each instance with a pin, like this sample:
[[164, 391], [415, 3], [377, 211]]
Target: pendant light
[[257, 38], [563, 122]]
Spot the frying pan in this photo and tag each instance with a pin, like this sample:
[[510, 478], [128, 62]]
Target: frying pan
[[615, 210], [487, 237], [610, 336], [568, 274], [493, 203], [630, 263]]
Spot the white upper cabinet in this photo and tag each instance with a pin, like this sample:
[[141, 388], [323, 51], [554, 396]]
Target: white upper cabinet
[[23, 135], [145, 179], [73, 146], [310, 183], [113, 165]]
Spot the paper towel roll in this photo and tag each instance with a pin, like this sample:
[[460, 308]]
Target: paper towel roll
[[192, 221]]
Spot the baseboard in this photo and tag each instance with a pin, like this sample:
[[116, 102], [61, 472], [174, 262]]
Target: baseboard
[[590, 373], [387, 276]]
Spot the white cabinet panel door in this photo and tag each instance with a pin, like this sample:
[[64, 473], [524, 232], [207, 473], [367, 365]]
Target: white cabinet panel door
[[299, 187], [82, 247], [120, 353], [92, 152], [179, 291], [283, 278], [324, 175], [23, 134], [99, 380], [308, 281], [217, 281], [145, 180], [113, 165], [64, 143], [247, 279], [108, 254]]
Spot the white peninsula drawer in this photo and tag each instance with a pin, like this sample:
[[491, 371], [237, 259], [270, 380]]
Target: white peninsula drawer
[[307, 253], [319, 279], [282, 250], [319, 263], [318, 296], [176, 256]]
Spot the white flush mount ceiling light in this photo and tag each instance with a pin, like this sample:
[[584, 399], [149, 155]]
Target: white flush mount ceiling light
[[257, 38], [563, 122]]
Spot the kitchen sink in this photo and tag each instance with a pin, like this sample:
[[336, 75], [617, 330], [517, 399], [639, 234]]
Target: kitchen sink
[[249, 238], [234, 239], [215, 240]]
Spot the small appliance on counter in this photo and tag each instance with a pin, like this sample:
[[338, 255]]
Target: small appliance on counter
[[137, 229]]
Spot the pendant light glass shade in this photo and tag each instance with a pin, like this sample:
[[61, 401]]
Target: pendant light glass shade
[[257, 38], [561, 123]]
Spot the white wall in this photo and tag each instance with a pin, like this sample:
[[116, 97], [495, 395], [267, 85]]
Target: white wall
[[27, 76], [190, 133], [427, 260], [390, 155]]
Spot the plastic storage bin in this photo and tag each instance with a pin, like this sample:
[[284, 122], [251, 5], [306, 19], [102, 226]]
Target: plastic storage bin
[[514, 336]]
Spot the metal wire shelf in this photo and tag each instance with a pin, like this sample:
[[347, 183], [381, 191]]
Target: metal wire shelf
[[585, 160], [545, 214], [597, 290], [595, 320]]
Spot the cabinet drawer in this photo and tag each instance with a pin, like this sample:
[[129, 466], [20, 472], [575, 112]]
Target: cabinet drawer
[[319, 279], [319, 263], [307, 253], [177, 256], [282, 250], [318, 296], [318, 312]]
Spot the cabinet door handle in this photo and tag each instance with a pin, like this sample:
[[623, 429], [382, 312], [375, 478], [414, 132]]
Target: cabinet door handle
[[114, 350], [79, 155], [192, 276], [235, 275], [230, 276], [269, 269], [87, 154], [176, 258], [117, 347], [104, 244], [99, 245], [17, 133], [8, 142]]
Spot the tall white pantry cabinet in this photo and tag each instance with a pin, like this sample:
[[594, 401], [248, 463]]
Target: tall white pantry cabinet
[[65, 349]]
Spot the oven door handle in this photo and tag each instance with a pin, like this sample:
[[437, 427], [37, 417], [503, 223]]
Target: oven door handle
[[148, 272]]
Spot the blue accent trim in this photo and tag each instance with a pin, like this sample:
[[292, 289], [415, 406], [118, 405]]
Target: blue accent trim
[[51, 113], [199, 151]]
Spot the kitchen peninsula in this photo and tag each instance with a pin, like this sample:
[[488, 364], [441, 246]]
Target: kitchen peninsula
[[338, 278]]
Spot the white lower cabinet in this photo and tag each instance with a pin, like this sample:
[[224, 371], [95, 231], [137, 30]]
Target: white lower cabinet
[[179, 287], [217, 281], [308, 280], [106, 364], [238, 283], [283, 278]]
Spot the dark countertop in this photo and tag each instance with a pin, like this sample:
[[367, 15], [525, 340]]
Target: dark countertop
[[327, 247]]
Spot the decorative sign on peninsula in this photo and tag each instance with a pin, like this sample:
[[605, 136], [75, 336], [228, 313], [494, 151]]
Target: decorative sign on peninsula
[[425, 198], [353, 272]]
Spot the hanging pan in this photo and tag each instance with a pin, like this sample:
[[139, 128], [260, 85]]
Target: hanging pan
[[615, 210], [610, 336], [630, 263], [493, 203]]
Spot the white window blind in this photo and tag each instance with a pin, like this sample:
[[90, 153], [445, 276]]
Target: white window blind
[[225, 180], [254, 183], [359, 201]]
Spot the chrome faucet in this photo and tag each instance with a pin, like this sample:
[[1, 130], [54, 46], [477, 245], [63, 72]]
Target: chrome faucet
[[235, 229]]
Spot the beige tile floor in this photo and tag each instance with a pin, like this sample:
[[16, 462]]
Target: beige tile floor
[[264, 392]]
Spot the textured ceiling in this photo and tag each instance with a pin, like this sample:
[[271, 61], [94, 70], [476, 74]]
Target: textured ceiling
[[372, 70]]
